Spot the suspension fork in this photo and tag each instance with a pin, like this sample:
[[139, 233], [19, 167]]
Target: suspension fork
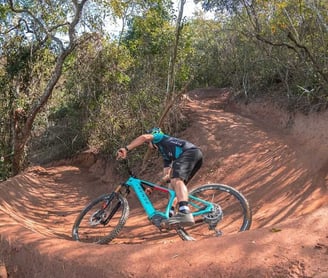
[[117, 191], [122, 189]]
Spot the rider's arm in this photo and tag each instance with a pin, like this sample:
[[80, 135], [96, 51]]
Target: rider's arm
[[167, 171], [122, 152], [166, 175]]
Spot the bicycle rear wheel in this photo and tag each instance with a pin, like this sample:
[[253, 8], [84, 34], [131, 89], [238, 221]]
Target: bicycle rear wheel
[[101, 220], [231, 213]]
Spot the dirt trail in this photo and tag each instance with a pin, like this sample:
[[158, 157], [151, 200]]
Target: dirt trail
[[281, 167]]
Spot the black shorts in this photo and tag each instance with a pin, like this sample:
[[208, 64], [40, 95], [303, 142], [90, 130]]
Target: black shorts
[[186, 166]]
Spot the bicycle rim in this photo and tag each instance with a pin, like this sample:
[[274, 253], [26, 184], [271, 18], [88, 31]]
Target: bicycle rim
[[101, 220], [232, 212]]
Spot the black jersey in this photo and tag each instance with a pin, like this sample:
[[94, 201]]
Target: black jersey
[[171, 148]]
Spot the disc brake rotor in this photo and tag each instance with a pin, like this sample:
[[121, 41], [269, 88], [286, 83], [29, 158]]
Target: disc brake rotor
[[214, 216], [97, 218]]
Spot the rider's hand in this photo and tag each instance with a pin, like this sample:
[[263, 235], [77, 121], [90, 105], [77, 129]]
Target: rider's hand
[[165, 180], [121, 153]]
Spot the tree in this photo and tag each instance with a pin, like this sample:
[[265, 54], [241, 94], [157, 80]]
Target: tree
[[51, 25], [289, 39]]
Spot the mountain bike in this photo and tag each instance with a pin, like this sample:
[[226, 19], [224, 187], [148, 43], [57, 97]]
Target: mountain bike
[[218, 209]]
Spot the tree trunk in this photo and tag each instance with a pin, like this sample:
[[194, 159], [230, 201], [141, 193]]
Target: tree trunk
[[19, 140], [19, 155], [23, 120], [170, 91]]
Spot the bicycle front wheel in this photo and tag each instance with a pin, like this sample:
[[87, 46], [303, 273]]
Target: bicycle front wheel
[[101, 220], [231, 212]]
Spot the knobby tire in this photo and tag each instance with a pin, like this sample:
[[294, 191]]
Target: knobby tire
[[117, 211], [237, 215]]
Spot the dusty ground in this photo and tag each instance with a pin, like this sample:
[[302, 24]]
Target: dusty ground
[[278, 162]]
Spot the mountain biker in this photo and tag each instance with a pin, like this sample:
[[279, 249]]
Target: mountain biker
[[181, 159]]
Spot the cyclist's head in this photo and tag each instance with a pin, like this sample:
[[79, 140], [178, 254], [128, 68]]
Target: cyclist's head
[[157, 133]]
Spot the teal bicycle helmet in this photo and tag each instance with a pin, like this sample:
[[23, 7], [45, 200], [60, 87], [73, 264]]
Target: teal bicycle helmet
[[157, 133]]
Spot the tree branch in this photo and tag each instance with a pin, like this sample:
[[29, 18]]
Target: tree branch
[[307, 51]]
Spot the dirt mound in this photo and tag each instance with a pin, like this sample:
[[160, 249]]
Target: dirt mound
[[278, 161]]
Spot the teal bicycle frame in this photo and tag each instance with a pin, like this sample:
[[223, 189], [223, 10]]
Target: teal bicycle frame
[[203, 203], [137, 185]]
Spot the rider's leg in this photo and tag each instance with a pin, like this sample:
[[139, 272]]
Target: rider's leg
[[183, 170], [182, 194], [175, 202], [180, 189], [183, 216]]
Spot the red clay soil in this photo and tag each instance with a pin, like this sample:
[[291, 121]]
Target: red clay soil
[[278, 161]]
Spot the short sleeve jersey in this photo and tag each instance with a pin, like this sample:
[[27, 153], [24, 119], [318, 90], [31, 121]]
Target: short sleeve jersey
[[171, 148]]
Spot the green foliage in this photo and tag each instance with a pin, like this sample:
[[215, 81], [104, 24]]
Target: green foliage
[[94, 88], [6, 100], [230, 6], [57, 134], [111, 91], [209, 54], [22, 77], [149, 33], [262, 46]]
